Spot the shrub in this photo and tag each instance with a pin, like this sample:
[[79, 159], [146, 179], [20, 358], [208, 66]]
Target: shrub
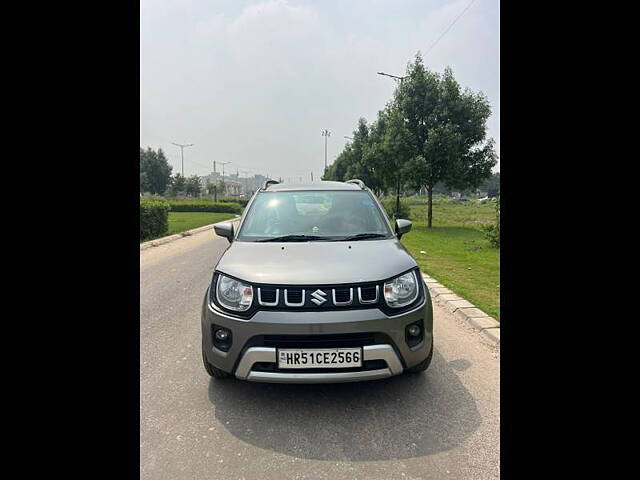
[[242, 201], [209, 198], [203, 206], [151, 196], [154, 218], [389, 204], [492, 231]]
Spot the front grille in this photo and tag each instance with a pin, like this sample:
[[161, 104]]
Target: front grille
[[294, 297], [342, 296], [318, 297], [268, 295], [369, 293]]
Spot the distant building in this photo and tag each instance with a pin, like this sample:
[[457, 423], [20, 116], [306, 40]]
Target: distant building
[[232, 188], [234, 185]]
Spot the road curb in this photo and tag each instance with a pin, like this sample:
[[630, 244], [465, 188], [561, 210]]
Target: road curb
[[492, 334], [466, 311], [161, 241]]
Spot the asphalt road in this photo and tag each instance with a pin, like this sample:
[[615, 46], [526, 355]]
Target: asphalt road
[[441, 424]]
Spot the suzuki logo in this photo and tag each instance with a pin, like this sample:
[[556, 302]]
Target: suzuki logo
[[318, 297]]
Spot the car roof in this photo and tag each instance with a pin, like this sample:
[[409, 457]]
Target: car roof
[[289, 187]]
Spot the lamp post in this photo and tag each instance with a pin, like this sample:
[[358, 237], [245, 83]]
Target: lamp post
[[326, 134], [223, 184], [182, 147]]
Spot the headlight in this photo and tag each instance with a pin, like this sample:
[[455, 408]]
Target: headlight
[[233, 294], [402, 290]]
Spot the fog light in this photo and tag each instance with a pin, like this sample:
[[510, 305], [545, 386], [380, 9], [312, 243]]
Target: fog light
[[414, 330], [222, 334]]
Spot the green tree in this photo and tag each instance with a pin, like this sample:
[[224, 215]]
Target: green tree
[[353, 161], [178, 184], [337, 171], [397, 151], [375, 156], [447, 130], [363, 163], [155, 171], [144, 182], [378, 155], [193, 186]]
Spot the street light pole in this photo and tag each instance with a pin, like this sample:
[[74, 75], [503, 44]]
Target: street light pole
[[395, 77], [223, 164], [182, 147], [325, 133]]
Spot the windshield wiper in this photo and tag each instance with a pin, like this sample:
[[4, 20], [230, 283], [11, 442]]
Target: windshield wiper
[[363, 236], [292, 238]]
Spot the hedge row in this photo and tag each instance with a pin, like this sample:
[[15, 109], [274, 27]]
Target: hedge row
[[242, 201], [201, 206], [154, 218]]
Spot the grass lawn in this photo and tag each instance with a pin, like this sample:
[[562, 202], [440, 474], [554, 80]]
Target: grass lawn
[[181, 221], [457, 254]]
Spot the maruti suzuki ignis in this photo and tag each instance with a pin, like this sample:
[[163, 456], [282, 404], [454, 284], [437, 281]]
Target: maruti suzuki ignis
[[316, 287]]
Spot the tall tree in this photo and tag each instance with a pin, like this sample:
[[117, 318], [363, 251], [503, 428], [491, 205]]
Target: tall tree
[[155, 171], [144, 182], [178, 184], [338, 169], [364, 164], [346, 165], [447, 130], [193, 186], [397, 148]]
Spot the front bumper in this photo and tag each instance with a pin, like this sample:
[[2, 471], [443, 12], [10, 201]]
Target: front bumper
[[255, 355], [391, 356]]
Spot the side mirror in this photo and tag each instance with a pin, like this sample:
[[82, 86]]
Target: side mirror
[[402, 227], [224, 229]]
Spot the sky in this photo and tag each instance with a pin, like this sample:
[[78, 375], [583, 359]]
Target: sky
[[254, 83]]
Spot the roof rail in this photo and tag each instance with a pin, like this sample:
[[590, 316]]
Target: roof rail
[[357, 182], [269, 182]]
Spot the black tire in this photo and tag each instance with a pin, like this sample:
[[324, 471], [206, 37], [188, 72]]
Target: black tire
[[422, 366], [211, 370]]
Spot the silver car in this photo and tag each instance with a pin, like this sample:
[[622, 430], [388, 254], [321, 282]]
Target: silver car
[[315, 287]]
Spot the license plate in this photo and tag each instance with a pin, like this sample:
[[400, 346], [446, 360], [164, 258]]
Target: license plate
[[320, 358]]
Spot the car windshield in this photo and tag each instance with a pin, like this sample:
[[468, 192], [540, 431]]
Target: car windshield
[[314, 216]]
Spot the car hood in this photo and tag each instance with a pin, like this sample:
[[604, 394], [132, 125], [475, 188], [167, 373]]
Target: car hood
[[316, 263]]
